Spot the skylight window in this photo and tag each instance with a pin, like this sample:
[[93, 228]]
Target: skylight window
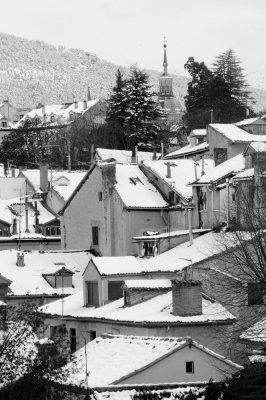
[[135, 180]]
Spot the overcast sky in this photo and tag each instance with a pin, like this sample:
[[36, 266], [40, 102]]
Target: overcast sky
[[128, 32]]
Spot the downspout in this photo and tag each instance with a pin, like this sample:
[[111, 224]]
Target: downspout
[[212, 213], [227, 205], [190, 226]]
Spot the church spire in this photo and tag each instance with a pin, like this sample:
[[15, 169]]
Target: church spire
[[165, 64]]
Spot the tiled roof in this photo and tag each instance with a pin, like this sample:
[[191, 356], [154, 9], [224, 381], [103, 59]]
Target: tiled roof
[[256, 333]]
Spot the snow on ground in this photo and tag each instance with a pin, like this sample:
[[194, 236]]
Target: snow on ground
[[157, 309], [147, 391]]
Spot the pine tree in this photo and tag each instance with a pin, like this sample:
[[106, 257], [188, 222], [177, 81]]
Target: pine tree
[[134, 111], [228, 66]]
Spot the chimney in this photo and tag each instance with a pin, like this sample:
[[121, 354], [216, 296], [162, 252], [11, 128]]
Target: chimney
[[44, 177], [202, 166], [15, 227], [37, 213], [76, 104], [22, 168], [20, 259], [85, 104], [154, 157], [43, 110], [168, 164], [136, 155], [44, 118], [13, 172], [89, 94], [6, 108], [162, 150], [187, 298]]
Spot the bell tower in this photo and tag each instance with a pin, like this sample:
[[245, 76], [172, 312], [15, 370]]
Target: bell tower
[[165, 80]]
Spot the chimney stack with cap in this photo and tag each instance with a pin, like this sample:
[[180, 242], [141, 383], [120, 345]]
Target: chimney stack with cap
[[187, 298], [44, 177], [168, 170], [20, 259]]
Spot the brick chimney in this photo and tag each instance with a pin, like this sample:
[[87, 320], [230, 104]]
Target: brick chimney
[[20, 259], [187, 298], [85, 104], [44, 177], [168, 170]]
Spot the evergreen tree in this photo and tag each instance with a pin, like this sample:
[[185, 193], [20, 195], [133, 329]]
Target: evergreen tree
[[228, 66], [134, 111], [215, 96]]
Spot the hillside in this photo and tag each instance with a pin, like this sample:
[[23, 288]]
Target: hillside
[[33, 72]]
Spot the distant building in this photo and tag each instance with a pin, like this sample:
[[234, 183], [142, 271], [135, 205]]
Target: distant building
[[173, 121], [9, 117]]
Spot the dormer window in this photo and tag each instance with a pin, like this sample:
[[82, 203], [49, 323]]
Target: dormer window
[[60, 279], [52, 117], [4, 124]]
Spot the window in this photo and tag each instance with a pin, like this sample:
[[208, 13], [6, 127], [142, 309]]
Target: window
[[52, 118], [100, 195], [93, 296], [256, 292], [95, 235], [15, 117], [53, 231], [4, 124], [189, 367], [171, 197], [52, 332], [135, 180], [126, 298], [21, 116], [115, 290], [220, 155], [233, 197], [92, 335], [73, 340]]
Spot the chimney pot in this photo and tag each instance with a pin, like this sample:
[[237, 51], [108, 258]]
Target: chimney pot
[[187, 297], [168, 170], [44, 177], [85, 104], [20, 259]]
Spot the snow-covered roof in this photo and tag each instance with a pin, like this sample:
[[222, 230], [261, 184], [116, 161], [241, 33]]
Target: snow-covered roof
[[199, 132], [257, 147], [183, 255], [188, 150], [29, 280], [123, 156], [65, 191], [135, 190], [157, 309], [246, 174], [113, 358], [116, 265], [236, 134], [60, 112], [9, 172], [148, 284], [182, 173], [227, 168], [250, 121], [166, 235], [17, 205], [256, 333]]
